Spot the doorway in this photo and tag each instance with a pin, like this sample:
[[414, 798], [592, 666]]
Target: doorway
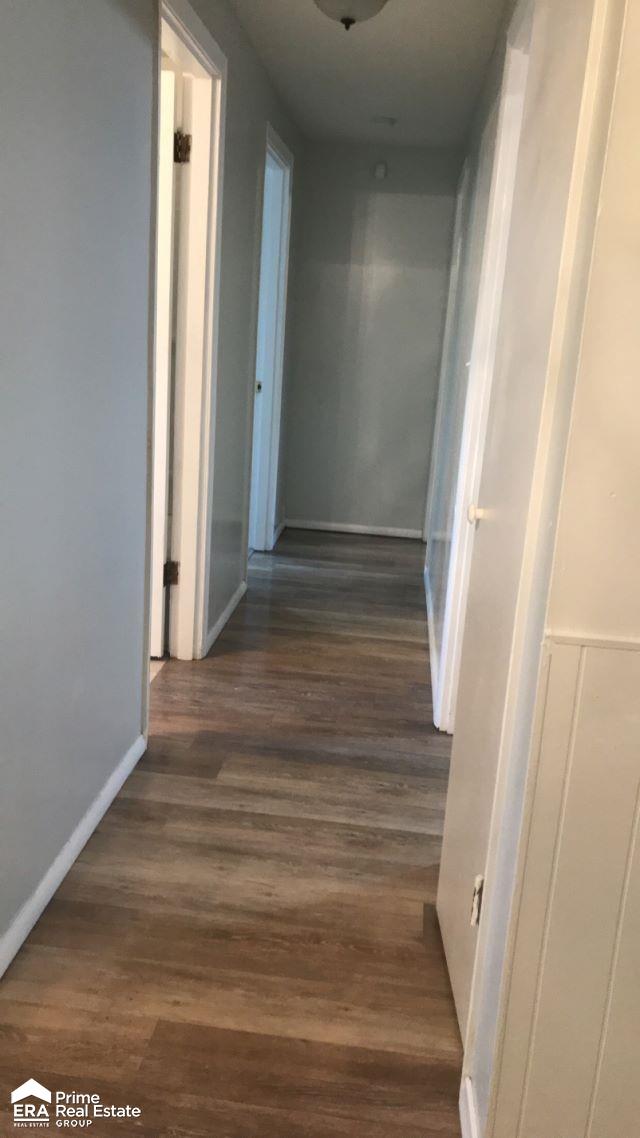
[[465, 386], [190, 149], [264, 524]]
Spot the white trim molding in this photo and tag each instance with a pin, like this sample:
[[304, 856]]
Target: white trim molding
[[339, 527], [269, 356], [225, 615], [593, 640], [198, 292], [447, 358], [469, 1117], [438, 721], [26, 917]]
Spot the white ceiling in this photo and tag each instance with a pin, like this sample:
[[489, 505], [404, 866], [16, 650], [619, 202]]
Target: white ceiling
[[419, 61]]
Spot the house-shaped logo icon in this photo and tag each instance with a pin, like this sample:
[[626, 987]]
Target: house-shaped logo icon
[[30, 1114], [31, 1089]]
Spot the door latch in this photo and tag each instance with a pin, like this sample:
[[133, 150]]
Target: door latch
[[475, 514]]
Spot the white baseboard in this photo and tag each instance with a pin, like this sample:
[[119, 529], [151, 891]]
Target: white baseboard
[[214, 632], [469, 1117], [27, 916], [277, 532], [338, 527]]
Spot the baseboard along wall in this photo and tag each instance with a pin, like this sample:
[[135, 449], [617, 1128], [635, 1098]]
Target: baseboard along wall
[[227, 612], [26, 917], [339, 527]]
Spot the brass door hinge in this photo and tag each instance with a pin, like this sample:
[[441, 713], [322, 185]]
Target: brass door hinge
[[171, 573], [181, 147]]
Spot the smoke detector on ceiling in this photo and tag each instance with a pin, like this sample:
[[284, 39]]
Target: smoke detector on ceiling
[[350, 12]]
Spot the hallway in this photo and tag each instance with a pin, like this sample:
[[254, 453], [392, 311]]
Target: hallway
[[238, 950]]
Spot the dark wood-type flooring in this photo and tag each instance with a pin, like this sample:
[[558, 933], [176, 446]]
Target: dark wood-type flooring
[[246, 947]]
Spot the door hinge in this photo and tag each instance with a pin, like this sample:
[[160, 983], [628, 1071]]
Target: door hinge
[[171, 573], [181, 147], [476, 905]]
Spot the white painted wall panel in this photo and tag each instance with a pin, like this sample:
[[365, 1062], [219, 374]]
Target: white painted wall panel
[[598, 815], [615, 1104], [572, 906]]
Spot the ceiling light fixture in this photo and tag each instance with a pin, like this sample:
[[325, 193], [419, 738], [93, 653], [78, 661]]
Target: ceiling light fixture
[[350, 12]]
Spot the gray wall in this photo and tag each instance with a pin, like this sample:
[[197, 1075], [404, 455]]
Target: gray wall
[[76, 90], [77, 97], [251, 103], [368, 312]]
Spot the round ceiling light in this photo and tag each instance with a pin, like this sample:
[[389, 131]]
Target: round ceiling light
[[350, 12]]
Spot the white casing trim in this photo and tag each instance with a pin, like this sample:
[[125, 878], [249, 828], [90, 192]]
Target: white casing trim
[[279, 530], [214, 632], [469, 1118], [33, 907], [439, 720], [338, 527]]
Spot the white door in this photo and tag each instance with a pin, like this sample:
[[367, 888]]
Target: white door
[[490, 585], [466, 391], [267, 407], [162, 381]]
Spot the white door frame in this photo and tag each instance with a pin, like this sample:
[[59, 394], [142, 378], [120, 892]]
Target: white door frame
[[466, 512], [449, 338], [162, 364], [197, 282], [447, 364], [271, 422]]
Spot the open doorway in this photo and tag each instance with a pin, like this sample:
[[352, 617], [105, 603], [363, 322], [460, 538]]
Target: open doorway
[[190, 148], [264, 525]]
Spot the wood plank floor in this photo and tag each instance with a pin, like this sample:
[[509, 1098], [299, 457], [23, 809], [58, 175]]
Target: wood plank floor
[[247, 948]]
